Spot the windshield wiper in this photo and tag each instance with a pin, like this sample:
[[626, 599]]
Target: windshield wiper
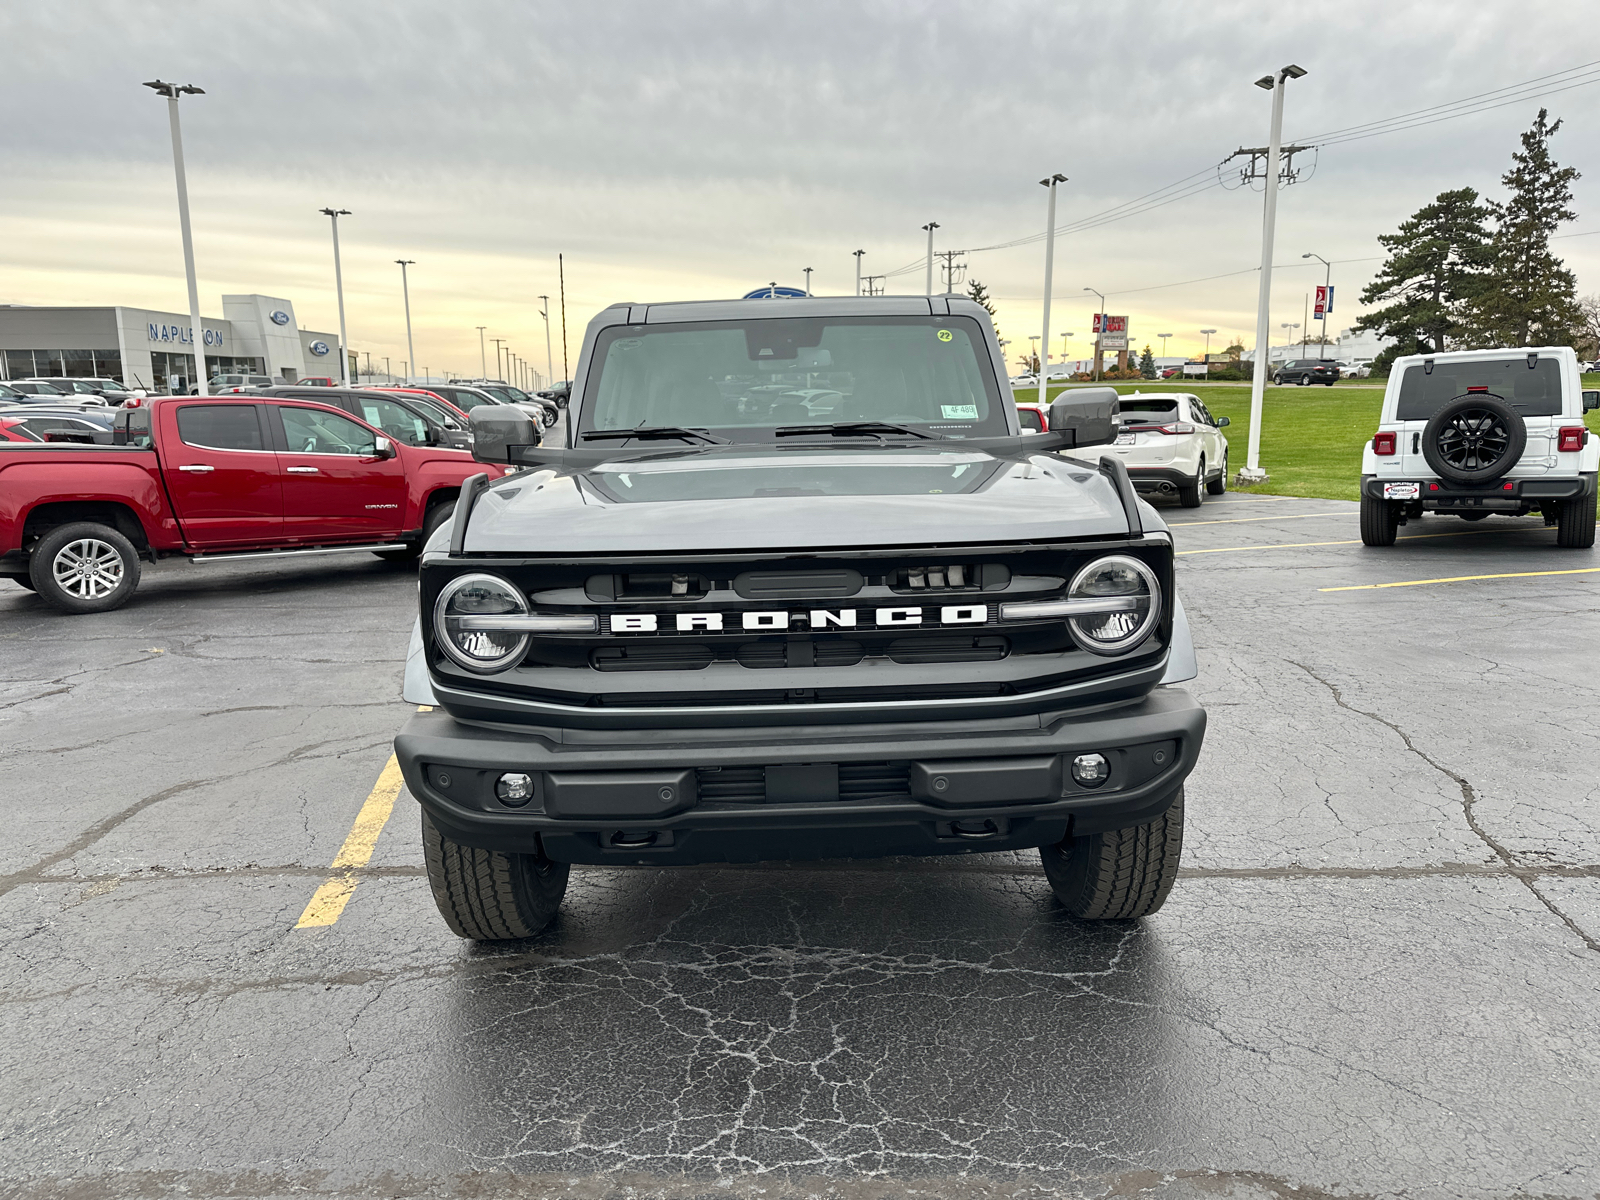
[[850, 429], [654, 431]]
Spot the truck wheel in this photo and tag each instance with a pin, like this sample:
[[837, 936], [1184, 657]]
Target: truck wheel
[[1576, 528], [1120, 874], [1219, 485], [84, 567], [1189, 493], [489, 896], [1474, 438], [1380, 521], [437, 516]]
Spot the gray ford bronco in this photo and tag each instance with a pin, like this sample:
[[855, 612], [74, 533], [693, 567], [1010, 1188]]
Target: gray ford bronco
[[796, 586]]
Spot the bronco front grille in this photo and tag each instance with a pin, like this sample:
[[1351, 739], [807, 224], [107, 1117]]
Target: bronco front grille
[[857, 781]]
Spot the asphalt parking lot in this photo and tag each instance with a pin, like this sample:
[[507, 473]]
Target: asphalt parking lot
[[1379, 974]]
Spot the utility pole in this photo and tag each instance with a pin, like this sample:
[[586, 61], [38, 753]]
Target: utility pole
[[1099, 333], [808, 280], [948, 271], [549, 361], [1049, 184], [498, 342], [387, 373], [483, 355], [1275, 83], [1305, 328], [197, 333], [930, 227], [858, 254], [1327, 296], [405, 288], [338, 283]]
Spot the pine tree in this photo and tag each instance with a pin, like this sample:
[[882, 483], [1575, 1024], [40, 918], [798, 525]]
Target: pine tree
[[1437, 262], [1530, 297], [1147, 364], [980, 294]]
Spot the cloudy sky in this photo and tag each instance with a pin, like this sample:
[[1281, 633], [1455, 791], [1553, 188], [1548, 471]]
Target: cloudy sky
[[682, 150]]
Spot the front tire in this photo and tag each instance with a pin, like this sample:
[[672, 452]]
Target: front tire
[[1575, 529], [1121, 874], [1380, 522], [487, 895], [437, 516], [83, 568]]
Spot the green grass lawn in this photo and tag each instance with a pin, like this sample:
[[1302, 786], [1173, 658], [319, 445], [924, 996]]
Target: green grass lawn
[[1311, 437]]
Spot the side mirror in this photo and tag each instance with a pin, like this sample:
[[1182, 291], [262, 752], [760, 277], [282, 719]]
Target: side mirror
[[498, 429], [1591, 401], [1223, 422], [383, 448], [1092, 415]]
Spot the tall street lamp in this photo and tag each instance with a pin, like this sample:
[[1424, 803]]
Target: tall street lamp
[[1327, 294], [1099, 333], [1275, 84], [1208, 333], [1290, 326], [197, 333], [405, 290], [338, 284], [498, 342], [1049, 184], [808, 280], [549, 359], [930, 227], [1163, 337], [483, 354], [858, 254]]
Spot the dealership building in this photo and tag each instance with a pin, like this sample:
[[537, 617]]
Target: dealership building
[[155, 350]]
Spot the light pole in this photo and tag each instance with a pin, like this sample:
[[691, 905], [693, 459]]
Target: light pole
[[368, 353], [1099, 333], [808, 280], [483, 354], [549, 360], [197, 334], [1049, 184], [1291, 326], [387, 373], [930, 227], [1208, 333], [1163, 337], [1327, 290], [1275, 84], [858, 254], [405, 290], [338, 284], [498, 342]]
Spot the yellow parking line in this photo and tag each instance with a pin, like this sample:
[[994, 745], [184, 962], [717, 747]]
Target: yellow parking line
[[327, 903], [1410, 537], [1241, 520], [1366, 587]]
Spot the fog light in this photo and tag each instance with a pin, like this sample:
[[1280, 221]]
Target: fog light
[[1091, 770], [514, 788]]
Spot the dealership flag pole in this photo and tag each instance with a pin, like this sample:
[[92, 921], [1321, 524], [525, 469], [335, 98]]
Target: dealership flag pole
[[197, 334], [338, 284]]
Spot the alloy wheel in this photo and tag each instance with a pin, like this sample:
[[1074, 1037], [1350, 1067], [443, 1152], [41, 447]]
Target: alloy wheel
[[1474, 438], [88, 568]]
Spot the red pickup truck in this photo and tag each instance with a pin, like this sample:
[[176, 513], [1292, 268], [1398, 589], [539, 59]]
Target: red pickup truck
[[214, 478]]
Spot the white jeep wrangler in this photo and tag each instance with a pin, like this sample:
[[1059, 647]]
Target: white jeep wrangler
[[1478, 432]]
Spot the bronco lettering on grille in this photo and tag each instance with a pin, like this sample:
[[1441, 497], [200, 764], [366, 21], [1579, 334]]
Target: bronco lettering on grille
[[778, 620]]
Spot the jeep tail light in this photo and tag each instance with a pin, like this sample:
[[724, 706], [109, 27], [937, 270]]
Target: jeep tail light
[[1383, 443], [1570, 439]]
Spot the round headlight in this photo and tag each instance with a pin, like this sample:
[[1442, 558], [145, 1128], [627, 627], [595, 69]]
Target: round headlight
[[484, 651], [1121, 628]]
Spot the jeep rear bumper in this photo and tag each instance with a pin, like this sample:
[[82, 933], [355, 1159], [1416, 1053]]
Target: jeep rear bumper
[[743, 795], [1490, 497]]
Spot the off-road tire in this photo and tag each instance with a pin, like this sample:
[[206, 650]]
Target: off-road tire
[[50, 560], [437, 516], [1121, 874], [1380, 521], [1219, 485], [1189, 493], [1442, 423], [1575, 530], [487, 895]]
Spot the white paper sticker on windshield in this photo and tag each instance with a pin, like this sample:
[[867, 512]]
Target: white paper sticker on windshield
[[959, 412]]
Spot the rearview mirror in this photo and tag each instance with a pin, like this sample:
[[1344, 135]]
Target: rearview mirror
[[1092, 415], [497, 429], [1591, 401], [1223, 422]]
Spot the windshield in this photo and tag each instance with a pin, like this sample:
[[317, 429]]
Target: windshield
[[745, 379], [1533, 393]]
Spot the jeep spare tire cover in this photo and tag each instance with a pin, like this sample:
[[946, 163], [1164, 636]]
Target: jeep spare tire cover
[[1475, 438]]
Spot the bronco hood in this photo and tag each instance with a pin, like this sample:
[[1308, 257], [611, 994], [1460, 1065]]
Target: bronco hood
[[752, 498]]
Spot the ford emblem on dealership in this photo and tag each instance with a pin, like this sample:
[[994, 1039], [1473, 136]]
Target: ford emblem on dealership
[[279, 317], [318, 348]]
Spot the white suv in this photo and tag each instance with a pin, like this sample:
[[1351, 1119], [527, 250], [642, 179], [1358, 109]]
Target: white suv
[[1172, 445], [1478, 432]]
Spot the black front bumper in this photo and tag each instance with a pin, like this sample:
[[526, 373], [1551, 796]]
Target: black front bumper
[[1501, 495], [659, 797]]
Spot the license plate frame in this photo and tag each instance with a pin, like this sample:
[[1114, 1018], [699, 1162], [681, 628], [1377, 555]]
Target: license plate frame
[[1126, 439], [1402, 491]]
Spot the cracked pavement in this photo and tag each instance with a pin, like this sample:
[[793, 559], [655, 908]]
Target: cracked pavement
[[1378, 974]]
